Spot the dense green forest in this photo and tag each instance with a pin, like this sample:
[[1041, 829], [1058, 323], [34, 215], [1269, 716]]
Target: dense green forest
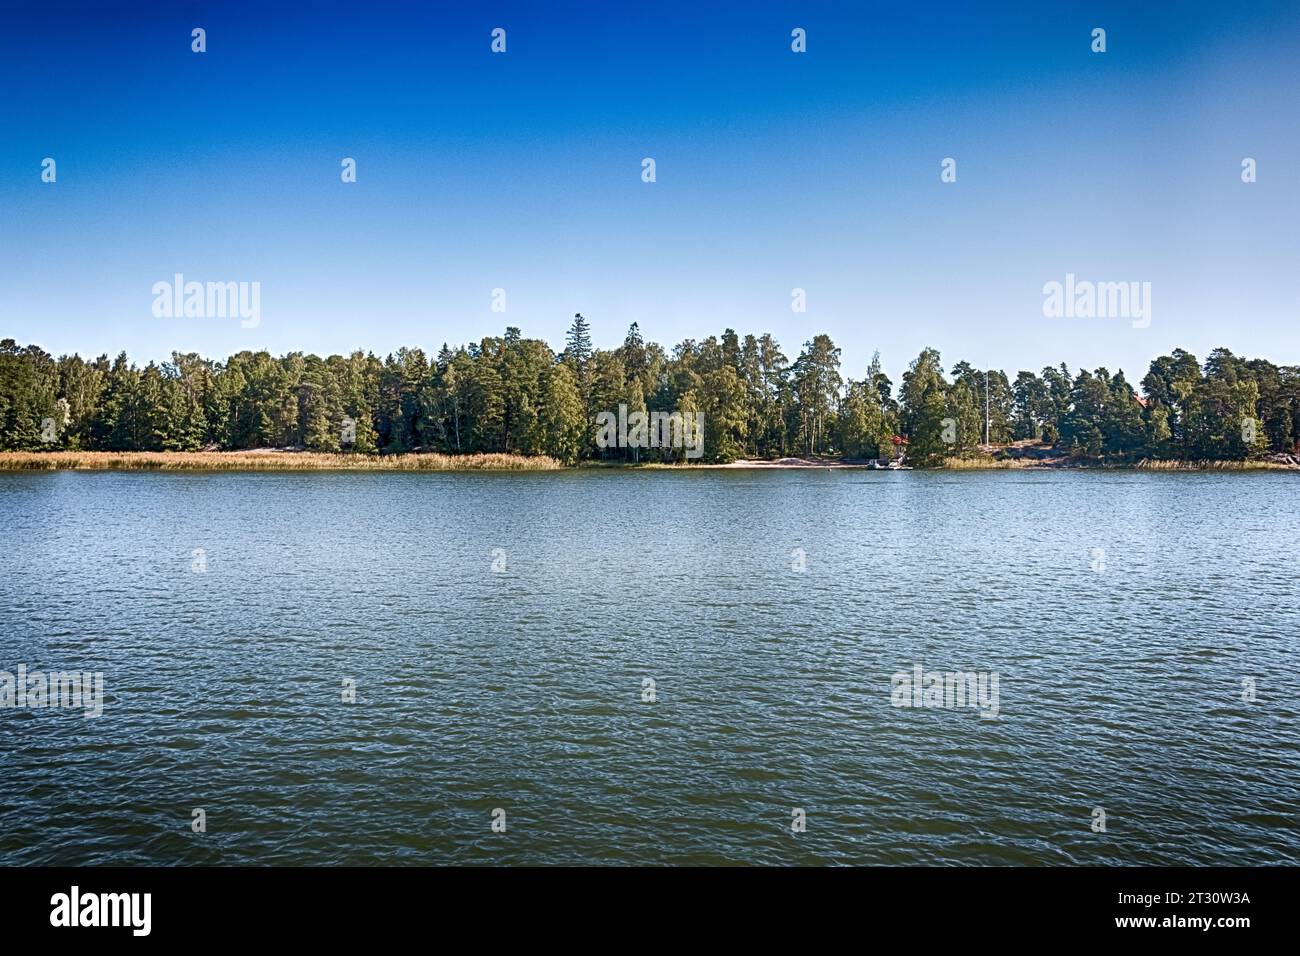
[[516, 395]]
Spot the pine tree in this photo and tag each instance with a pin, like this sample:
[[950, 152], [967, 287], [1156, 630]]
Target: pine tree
[[561, 426], [577, 355], [924, 400]]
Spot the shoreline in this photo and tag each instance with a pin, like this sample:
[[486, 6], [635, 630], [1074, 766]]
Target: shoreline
[[286, 460]]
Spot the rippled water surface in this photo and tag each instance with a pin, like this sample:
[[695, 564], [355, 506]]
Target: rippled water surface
[[522, 689]]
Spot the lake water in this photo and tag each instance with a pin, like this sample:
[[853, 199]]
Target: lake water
[[513, 679]]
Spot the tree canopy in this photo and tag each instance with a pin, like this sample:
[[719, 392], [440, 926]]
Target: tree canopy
[[516, 395]]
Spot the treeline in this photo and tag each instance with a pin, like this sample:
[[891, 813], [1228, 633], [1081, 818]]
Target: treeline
[[516, 395]]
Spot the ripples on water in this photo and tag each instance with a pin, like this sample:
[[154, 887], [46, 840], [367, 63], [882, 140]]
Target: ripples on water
[[522, 690]]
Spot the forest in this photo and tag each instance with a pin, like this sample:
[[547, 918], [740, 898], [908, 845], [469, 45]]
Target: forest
[[516, 395]]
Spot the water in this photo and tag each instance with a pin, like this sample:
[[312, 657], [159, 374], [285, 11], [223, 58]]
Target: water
[[522, 690]]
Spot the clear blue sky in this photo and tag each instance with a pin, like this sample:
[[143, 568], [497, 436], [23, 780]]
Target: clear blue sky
[[775, 170]]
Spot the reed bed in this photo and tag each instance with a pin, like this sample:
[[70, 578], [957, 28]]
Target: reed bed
[[990, 464], [1149, 464], [265, 461], [1146, 464]]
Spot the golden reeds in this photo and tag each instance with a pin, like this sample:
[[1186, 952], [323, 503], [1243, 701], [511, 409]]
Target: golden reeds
[[266, 461]]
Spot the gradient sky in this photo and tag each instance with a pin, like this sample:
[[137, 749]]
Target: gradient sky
[[775, 170]]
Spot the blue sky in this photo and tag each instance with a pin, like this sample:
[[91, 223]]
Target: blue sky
[[775, 170]]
